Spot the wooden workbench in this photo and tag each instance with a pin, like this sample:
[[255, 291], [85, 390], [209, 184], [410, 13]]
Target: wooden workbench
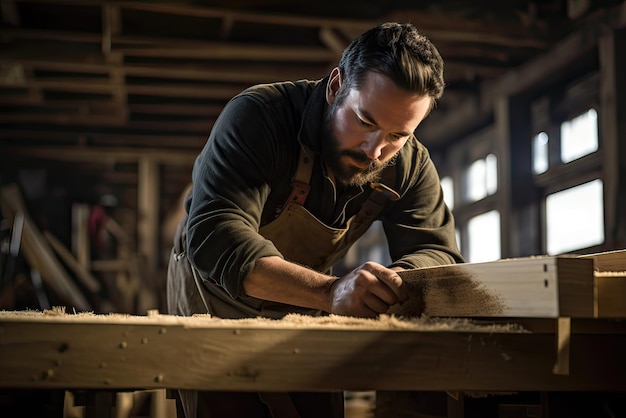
[[50, 351], [549, 324]]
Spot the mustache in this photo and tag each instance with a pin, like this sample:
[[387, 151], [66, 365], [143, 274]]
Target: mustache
[[360, 157]]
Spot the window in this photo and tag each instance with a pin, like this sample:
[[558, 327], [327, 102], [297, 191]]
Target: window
[[540, 153], [448, 191], [567, 193], [579, 136], [484, 237], [482, 178], [575, 218]]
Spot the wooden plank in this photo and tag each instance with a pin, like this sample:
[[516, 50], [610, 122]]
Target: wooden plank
[[610, 283], [148, 213], [81, 247], [87, 279], [38, 253], [608, 260], [610, 294], [106, 155], [539, 287], [105, 352]]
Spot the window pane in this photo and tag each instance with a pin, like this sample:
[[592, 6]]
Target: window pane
[[540, 153], [579, 136], [484, 237], [482, 178], [491, 174], [448, 191], [575, 218]]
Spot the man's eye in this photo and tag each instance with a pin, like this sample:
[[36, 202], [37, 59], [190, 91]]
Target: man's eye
[[364, 123]]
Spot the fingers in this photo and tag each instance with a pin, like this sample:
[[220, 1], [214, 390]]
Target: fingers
[[368, 291], [394, 291]]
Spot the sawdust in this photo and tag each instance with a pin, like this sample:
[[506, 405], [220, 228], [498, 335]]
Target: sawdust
[[447, 291], [292, 321], [610, 274]]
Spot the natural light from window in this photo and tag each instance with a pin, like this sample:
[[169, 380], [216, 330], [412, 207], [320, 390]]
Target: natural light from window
[[540, 153], [482, 178], [448, 191], [484, 237], [579, 136], [575, 218]]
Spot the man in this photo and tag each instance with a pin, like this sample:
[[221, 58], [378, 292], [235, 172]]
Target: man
[[292, 174]]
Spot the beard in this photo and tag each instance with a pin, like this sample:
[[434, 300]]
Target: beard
[[345, 173]]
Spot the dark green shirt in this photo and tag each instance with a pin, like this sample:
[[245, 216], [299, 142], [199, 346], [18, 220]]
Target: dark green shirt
[[243, 176]]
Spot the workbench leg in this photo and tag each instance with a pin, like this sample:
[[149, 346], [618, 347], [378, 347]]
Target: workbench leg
[[403, 404], [583, 404], [101, 405], [35, 403], [456, 405]]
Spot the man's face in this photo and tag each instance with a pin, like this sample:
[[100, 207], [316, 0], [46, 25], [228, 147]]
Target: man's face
[[368, 127]]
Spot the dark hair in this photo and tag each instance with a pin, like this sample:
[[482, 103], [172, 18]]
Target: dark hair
[[398, 51]]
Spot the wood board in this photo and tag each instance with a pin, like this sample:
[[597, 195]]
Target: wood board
[[38, 252], [533, 287], [107, 352], [610, 283]]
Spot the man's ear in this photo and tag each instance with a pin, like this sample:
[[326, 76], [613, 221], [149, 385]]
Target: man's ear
[[334, 84]]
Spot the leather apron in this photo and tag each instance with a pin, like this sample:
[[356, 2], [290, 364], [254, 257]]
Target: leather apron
[[296, 233]]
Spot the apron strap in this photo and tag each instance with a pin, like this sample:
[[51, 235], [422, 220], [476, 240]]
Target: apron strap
[[379, 197], [371, 208], [300, 183]]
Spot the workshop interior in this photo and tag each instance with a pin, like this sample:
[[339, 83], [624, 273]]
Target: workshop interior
[[105, 106]]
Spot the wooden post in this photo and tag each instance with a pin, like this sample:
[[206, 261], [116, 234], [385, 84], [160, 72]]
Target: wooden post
[[613, 129], [148, 213]]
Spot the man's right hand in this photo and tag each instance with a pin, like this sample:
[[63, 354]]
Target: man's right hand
[[367, 291]]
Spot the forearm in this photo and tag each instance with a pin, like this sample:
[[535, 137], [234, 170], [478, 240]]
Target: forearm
[[278, 280]]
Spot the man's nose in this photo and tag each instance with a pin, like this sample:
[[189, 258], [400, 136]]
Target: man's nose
[[373, 145]]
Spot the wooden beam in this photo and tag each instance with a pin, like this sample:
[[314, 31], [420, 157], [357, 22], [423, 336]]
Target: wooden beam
[[10, 14], [38, 252], [608, 261], [81, 246], [86, 278], [105, 155], [148, 192], [165, 90], [297, 354], [199, 125], [612, 125], [541, 69], [155, 141], [535, 287], [252, 73], [332, 40], [610, 294], [610, 283]]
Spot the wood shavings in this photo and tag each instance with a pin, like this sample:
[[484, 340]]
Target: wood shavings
[[610, 274], [383, 322]]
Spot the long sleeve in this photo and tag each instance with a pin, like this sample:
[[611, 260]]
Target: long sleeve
[[420, 227]]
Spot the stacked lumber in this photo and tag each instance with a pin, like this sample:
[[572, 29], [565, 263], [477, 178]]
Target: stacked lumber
[[71, 277], [39, 253]]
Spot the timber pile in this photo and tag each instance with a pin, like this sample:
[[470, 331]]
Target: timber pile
[[38, 251], [71, 277]]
